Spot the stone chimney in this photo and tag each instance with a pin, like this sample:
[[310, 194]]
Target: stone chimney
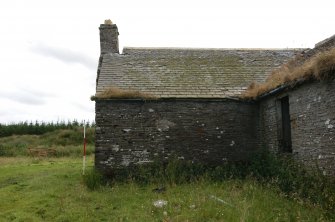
[[109, 40]]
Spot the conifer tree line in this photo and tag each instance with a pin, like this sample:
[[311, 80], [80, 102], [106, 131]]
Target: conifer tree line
[[38, 128]]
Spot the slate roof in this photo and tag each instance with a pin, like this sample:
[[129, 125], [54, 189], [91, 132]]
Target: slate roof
[[189, 73]]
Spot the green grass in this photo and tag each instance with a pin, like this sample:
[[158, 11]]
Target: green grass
[[66, 142], [53, 190]]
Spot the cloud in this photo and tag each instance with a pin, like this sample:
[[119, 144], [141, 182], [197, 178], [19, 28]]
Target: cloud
[[26, 96], [65, 55], [26, 99], [37, 93], [87, 107]]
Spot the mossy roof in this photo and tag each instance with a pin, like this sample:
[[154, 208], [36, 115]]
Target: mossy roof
[[189, 73]]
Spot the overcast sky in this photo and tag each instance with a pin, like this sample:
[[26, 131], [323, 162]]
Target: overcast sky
[[49, 49]]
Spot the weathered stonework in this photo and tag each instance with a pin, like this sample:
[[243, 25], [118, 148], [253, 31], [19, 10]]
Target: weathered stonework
[[312, 116], [194, 120], [109, 41], [131, 132]]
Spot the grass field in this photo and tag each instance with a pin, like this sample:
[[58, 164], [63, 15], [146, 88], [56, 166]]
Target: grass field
[[65, 142], [52, 189], [35, 188]]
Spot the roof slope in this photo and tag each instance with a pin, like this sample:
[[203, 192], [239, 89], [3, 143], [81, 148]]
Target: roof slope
[[313, 64], [189, 73]]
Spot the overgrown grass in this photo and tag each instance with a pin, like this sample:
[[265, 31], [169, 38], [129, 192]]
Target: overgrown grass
[[53, 190], [319, 67], [66, 142], [118, 93], [294, 179], [178, 172], [282, 173]]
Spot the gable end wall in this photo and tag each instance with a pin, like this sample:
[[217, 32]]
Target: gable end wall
[[312, 115]]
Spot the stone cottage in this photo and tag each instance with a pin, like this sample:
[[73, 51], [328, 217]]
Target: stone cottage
[[163, 103]]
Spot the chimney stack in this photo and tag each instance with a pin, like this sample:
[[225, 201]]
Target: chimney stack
[[109, 40]]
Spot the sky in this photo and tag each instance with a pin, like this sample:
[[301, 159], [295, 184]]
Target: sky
[[49, 50]]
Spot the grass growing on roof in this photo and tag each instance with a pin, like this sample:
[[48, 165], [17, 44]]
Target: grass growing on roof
[[117, 93], [319, 67]]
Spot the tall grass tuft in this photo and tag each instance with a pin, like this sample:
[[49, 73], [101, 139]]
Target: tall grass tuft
[[93, 179]]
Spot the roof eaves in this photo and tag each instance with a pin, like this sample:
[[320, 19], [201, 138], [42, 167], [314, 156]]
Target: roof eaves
[[281, 88]]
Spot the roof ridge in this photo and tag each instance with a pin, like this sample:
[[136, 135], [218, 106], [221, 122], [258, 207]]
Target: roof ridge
[[214, 49]]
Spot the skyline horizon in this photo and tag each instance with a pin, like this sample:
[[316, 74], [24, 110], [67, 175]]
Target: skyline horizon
[[50, 50]]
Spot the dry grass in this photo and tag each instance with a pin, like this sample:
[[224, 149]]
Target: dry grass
[[108, 22], [319, 67], [117, 93]]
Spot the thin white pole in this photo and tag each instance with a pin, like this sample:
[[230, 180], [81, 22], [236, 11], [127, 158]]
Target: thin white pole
[[84, 153]]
